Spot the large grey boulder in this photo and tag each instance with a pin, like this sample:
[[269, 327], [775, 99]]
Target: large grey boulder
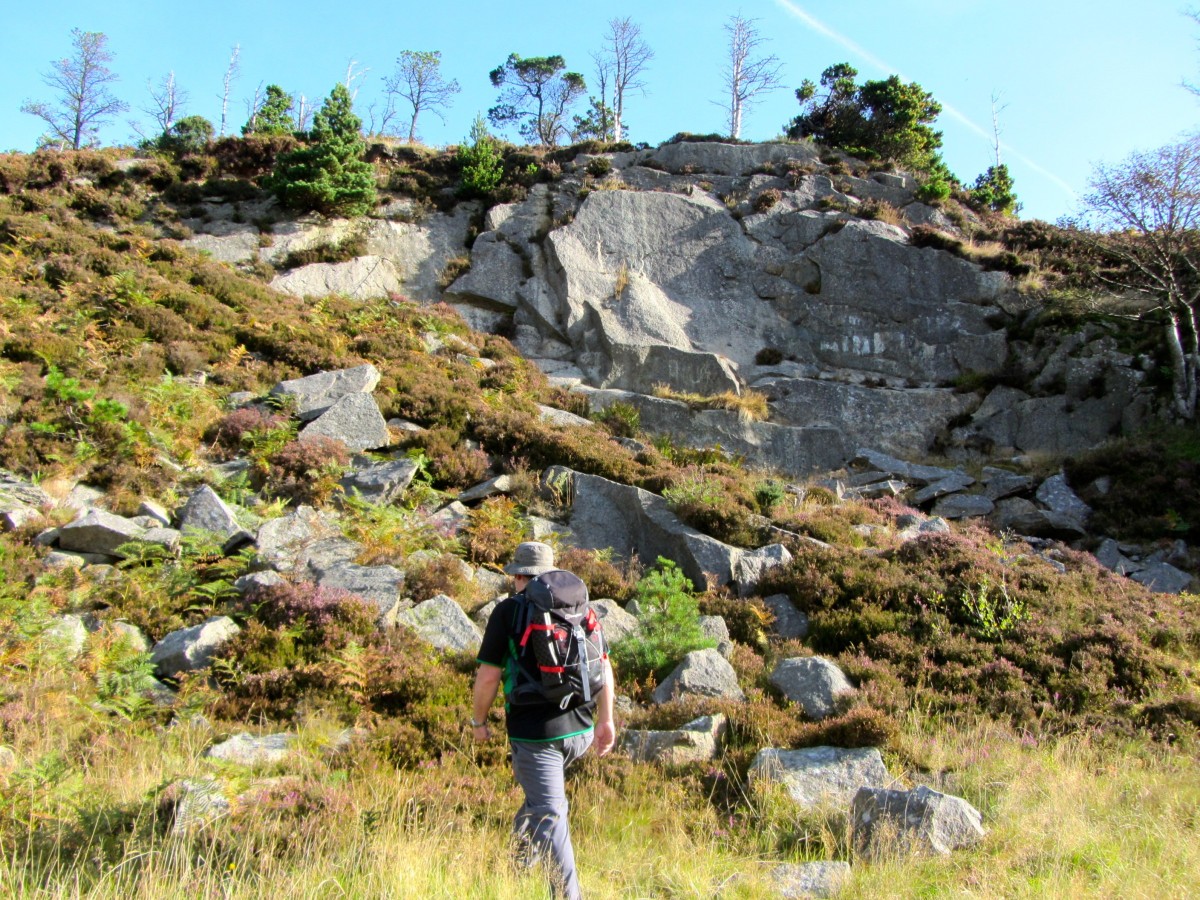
[[247, 749], [703, 673], [17, 493], [381, 483], [949, 485], [789, 621], [1056, 495], [813, 682], [362, 278], [282, 542], [496, 274], [820, 776], [616, 623], [190, 649], [501, 484], [1023, 517], [819, 880], [888, 822], [750, 567], [633, 522], [99, 532], [441, 622], [1163, 578], [67, 634], [355, 420], [314, 394], [381, 585], [206, 511], [1001, 483], [697, 741], [913, 473], [963, 506]]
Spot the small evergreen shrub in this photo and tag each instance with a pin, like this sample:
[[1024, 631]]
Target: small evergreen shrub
[[670, 625]]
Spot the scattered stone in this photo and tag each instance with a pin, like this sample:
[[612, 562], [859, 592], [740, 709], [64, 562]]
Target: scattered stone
[[247, 749], [198, 803], [83, 497], [879, 489], [450, 520], [1109, 555], [1163, 578], [1001, 483], [562, 418], [951, 484], [962, 506], [480, 616], [501, 484], [789, 621], [818, 880], [818, 776], [911, 472], [703, 673], [814, 682], [190, 649], [441, 622], [155, 511], [750, 567], [1021, 516], [354, 420], [12, 519], [380, 585], [382, 483], [282, 542], [58, 559], [98, 532], [258, 581], [887, 822], [314, 394], [67, 633], [697, 741], [17, 493], [493, 583], [206, 511], [616, 623], [1056, 495]]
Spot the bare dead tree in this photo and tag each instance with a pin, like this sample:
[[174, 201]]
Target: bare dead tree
[[996, 110], [167, 102], [352, 76], [625, 56], [231, 73], [83, 102], [418, 80], [304, 113], [747, 75], [253, 106], [1142, 216]]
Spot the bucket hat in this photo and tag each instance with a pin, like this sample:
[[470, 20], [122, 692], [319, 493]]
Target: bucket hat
[[531, 558]]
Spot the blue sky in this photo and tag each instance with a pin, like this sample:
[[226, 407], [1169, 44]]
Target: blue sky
[[1080, 81]]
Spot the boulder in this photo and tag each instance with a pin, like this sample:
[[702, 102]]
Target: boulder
[[789, 622], [441, 622], [354, 420], [206, 511], [716, 158], [813, 682], [501, 484], [381, 483], [697, 741], [820, 880], [361, 278], [190, 649], [282, 542], [155, 511], [910, 472], [247, 749], [1021, 516], [616, 623], [98, 532], [450, 520], [314, 394], [1109, 555], [1001, 483], [17, 493], [496, 274], [1163, 578], [820, 776], [257, 581], [198, 802], [751, 567], [1056, 495], [68, 634], [381, 585], [635, 522], [888, 822], [562, 418], [703, 673], [962, 506], [949, 485]]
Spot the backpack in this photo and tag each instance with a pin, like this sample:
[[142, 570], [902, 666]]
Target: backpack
[[558, 642]]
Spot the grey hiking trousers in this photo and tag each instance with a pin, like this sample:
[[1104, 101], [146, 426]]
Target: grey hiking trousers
[[541, 825]]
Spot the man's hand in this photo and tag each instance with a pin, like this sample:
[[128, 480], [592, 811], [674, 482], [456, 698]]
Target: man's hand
[[481, 733], [605, 737]]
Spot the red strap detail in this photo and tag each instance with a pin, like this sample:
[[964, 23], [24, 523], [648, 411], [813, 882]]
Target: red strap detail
[[556, 669]]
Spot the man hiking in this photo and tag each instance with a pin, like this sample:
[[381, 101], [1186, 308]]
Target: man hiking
[[545, 642]]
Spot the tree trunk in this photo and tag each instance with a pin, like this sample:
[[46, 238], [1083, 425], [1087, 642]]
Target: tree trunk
[[1183, 363]]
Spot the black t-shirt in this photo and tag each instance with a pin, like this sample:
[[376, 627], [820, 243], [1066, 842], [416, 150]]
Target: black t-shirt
[[527, 721]]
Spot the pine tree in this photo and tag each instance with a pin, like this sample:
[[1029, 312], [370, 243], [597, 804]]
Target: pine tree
[[274, 116], [329, 175]]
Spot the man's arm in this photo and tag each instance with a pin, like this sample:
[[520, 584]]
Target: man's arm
[[606, 729], [487, 683]]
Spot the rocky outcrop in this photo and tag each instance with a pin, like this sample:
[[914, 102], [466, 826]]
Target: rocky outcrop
[[816, 684], [312, 395], [697, 741], [190, 649], [887, 822], [703, 673], [818, 776]]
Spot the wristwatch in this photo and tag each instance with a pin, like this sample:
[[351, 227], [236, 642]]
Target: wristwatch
[[475, 724]]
